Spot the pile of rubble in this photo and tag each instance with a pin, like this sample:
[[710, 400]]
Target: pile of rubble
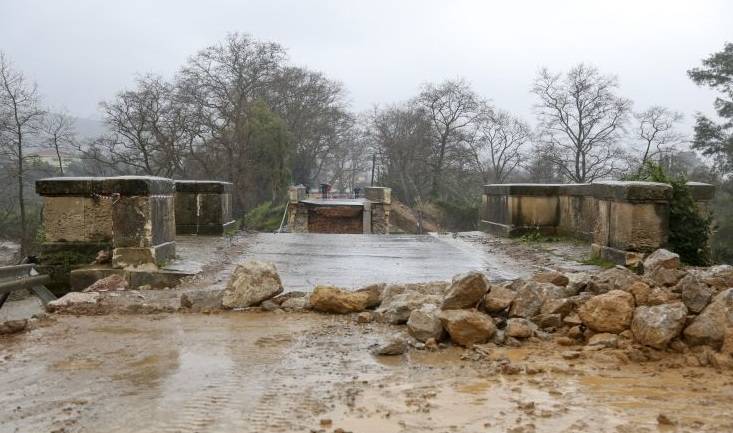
[[667, 308]]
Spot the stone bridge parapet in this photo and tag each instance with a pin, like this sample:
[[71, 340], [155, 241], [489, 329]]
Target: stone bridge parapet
[[623, 220]]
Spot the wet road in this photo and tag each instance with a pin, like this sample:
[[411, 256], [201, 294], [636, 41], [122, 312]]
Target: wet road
[[305, 260]]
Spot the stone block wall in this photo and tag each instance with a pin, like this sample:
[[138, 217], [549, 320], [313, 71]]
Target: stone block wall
[[624, 220], [380, 201], [203, 207]]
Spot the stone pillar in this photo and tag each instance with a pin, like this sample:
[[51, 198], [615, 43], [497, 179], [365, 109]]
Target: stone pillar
[[204, 207], [77, 224], [134, 215], [297, 212], [381, 200], [632, 220], [703, 194]]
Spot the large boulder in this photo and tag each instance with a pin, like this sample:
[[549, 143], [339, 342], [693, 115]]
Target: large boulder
[[397, 309], [661, 258], [531, 296], [609, 312], [666, 277], [329, 299], [694, 293], [657, 325], [498, 299], [467, 327], [251, 283], [425, 324], [710, 326], [465, 291]]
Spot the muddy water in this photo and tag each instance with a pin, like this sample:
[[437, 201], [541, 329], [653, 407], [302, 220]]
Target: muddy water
[[262, 372]]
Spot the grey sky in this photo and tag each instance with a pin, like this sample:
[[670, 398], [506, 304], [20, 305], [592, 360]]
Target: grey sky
[[82, 51]]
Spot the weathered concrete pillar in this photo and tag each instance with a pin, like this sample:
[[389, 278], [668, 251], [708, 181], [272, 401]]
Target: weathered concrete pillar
[[134, 215], [381, 200], [77, 224], [703, 194], [297, 212], [204, 207], [632, 220]]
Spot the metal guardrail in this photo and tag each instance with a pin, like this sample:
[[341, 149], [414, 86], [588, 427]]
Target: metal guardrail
[[24, 277]]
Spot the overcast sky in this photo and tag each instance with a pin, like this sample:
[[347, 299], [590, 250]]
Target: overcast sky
[[82, 51]]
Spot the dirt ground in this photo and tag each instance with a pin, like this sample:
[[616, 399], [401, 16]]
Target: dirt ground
[[306, 372], [267, 372]]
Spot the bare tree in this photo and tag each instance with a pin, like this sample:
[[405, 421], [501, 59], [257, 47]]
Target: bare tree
[[59, 133], [452, 108], [499, 145], [580, 122], [656, 133], [20, 115]]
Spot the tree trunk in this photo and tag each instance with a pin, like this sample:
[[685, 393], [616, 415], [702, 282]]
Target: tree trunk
[[21, 197]]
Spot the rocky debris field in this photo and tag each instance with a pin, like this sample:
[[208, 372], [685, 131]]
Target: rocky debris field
[[630, 316], [590, 350]]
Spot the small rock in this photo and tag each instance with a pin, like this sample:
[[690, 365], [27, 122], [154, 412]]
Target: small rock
[[269, 305], [296, 304], [576, 332], [424, 323], [663, 419], [364, 317], [661, 258], [431, 344], [661, 295], [107, 284], [467, 327], [103, 257], [609, 312], [251, 283], [571, 354], [465, 291], [572, 319], [604, 339], [666, 277], [13, 326], [203, 301], [566, 341], [518, 328], [616, 278], [561, 306], [396, 345], [396, 309], [640, 290], [548, 321]]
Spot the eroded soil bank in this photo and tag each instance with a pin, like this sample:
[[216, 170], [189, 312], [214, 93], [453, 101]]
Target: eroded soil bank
[[262, 372]]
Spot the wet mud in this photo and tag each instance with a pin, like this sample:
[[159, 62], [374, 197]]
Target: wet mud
[[268, 372]]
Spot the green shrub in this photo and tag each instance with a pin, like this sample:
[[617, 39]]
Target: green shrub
[[689, 231], [266, 217], [459, 216]]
